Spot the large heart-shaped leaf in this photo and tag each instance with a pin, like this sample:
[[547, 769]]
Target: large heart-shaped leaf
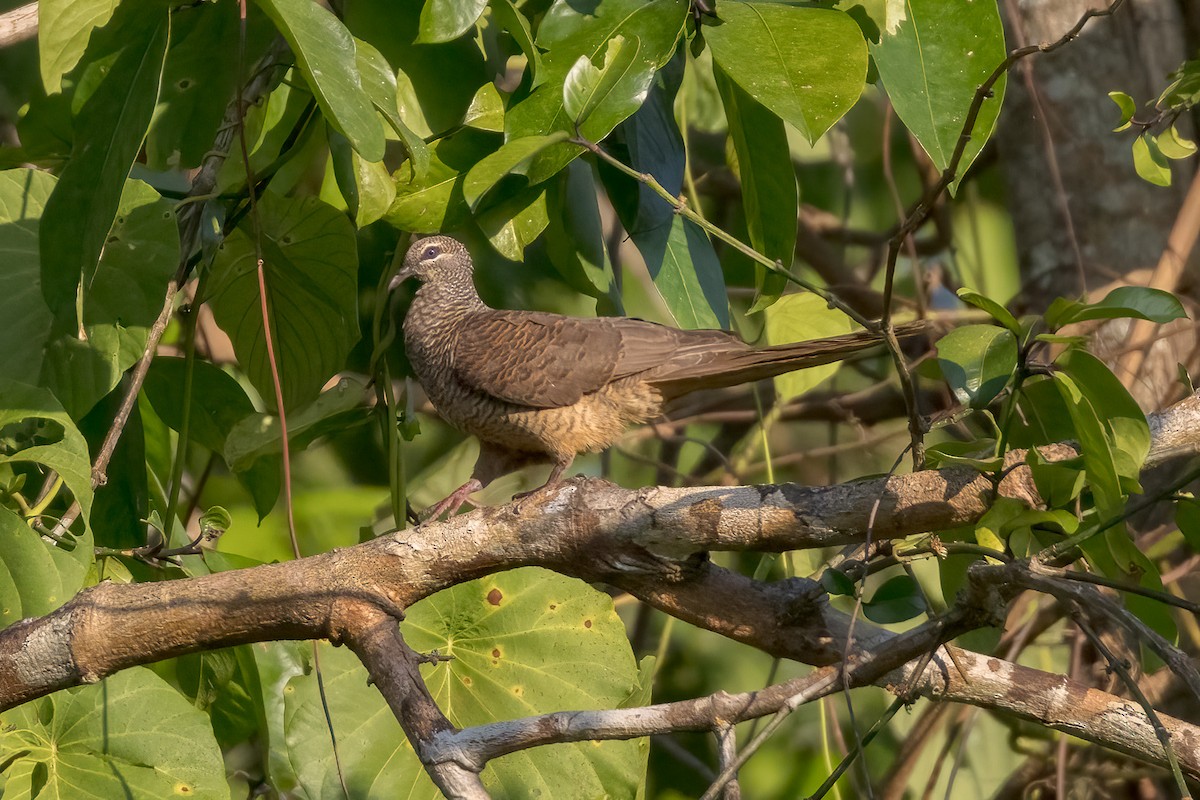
[[523, 642], [311, 269], [130, 736]]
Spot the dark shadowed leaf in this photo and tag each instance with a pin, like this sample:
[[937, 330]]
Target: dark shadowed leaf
[[311, 264], [109, 132], [770, 194], [899, 599]]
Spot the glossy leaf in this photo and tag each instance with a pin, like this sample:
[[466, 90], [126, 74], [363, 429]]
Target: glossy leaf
[[997, 311], [897, 600], [598, 97], [379, 82], [932, 63], [977, 361], [770, 194], [326, 56], [130, 736], [108, 135], [806, 64], [1174, 146], [575, 234], [27, 319], [506, 633], [1136, 302], [688, 275], [486, 112], [569, 32], [259, 435], [797, 318], [514, 156], [1128, 109], [1127, 428], [506, 15], [429, 202], [311, 264], [1097, 454], [443, 20], [1149, 161], [514, 224], [678, 254]]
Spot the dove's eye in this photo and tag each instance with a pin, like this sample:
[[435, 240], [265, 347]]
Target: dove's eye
[[430, 252]]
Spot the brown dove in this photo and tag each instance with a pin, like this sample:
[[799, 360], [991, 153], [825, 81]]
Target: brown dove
[[535, 387]]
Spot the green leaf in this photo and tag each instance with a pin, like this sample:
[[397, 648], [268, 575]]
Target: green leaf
[[217, 401], [770, 194], [678, 254], [978, 361], [1058, 482], [932, 63], [508, 18], [365, 186], [797, 318], [121, 300], [688, 275], [379, 82], [434, 84], [444, 20], [964, 454], [1097, 454], [311, 266], [523, 642], [64, 29], [108, 135], [1128, 431], [569, 32], [36, 577], [600, 97], [258, 435], [27, 320], [1174, 146], [196, 88], [997, 311], [326, 55], [1128, 109], [434, 202], [805, 64], [837, 582], [897, 600], [514, 156], [486, 112], [1149, 161], [575, 234], [1187, 518], [514, 224], [1137, 302], [130, 736]]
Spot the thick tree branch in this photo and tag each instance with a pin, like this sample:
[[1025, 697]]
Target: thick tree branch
[[648, 542]]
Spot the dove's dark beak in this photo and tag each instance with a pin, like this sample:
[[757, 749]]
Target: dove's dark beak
[[404, 274]]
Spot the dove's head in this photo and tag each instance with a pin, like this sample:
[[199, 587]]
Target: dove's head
[[435, 259]]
